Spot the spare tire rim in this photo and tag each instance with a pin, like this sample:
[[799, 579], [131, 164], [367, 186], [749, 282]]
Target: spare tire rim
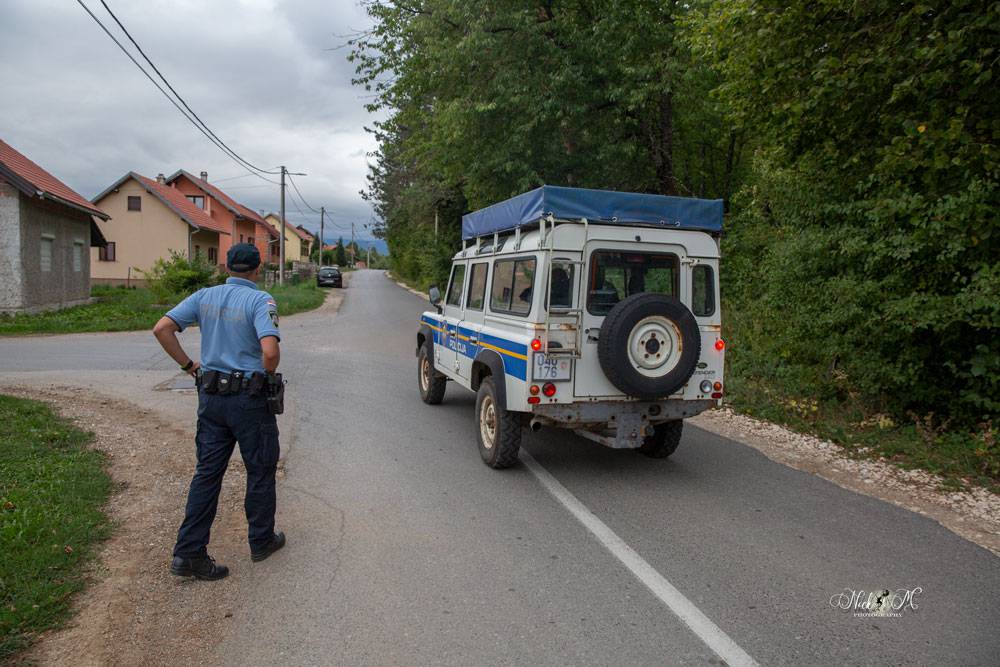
[[654, 346], [488, 422]]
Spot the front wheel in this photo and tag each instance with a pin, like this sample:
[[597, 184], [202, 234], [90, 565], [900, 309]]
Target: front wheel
[[664, 441], [432, 384], [499, 432]]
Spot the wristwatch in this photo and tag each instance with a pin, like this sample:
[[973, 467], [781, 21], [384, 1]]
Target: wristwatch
[[188, 366]]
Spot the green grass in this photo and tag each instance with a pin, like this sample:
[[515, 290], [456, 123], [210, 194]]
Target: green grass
[[961, 458], [115, 309], [52, 490], [120, 309], [293, 299]]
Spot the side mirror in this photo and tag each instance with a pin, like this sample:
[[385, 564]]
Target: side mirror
[[435, 297]]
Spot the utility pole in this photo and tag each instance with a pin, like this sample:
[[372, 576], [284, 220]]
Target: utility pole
[[281, 254], [368, 264], [322, 214], [435, 222], [352, 244]]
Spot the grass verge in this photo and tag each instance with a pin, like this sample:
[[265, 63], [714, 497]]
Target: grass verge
[[961, 458], [52, 490], [120, 309], [299, 298]]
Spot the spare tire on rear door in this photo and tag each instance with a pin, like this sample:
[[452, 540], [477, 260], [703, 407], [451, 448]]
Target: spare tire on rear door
[[649, 345]]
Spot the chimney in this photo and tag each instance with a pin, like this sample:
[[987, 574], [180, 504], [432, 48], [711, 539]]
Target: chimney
[[204, 176], [160, 178]]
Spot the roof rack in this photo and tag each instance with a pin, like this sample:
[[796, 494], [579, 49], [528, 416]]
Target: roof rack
[[597, 206]]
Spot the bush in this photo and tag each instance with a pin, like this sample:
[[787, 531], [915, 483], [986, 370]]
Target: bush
[[174, 278]]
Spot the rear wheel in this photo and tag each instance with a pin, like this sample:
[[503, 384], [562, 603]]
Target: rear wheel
[[499, 432], [664, 441], [432, 384]]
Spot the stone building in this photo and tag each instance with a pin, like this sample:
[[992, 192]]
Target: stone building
[[46, 232]]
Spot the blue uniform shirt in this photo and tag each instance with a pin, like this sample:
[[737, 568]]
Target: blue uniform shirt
[[233, 318]]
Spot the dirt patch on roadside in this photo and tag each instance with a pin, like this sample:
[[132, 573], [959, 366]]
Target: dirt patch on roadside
[[972, 514], [134, 611]]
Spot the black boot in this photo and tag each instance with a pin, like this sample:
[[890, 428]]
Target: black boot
[[202, 567], [277, 541]]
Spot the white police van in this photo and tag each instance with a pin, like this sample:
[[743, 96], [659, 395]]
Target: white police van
[[589, 310]]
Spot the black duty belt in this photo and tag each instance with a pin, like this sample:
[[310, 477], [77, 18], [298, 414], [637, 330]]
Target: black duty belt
[[269, 385], [236, 382]]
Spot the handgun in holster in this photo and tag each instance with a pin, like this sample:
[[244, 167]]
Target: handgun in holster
[[275, 393]]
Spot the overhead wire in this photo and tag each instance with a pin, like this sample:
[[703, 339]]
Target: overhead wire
[[233, 153], [204, 130]]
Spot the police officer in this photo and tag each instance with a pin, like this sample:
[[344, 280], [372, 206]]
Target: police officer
[[239, 346]]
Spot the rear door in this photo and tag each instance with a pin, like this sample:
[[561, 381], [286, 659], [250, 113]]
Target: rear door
[[616, 270]]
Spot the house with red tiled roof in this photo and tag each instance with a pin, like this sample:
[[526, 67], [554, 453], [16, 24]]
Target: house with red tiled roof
[[244, 224], [298, 241], [46, 232], [149, 221]]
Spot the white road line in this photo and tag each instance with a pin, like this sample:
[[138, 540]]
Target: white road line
[[701, 625]]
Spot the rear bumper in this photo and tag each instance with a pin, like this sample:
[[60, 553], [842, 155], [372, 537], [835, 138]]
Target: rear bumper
[[617, 424], [575, 415]]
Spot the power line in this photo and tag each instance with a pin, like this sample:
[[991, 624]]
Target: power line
[[204, 130], [236, 155], [303, 199]]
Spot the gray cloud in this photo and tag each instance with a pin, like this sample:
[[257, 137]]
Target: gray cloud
[[259, 72]]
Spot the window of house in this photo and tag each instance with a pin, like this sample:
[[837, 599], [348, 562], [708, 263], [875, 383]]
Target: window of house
[[134, 203], [702, 290], [455, 287], [213, 255], [47, 247], [107, 253], [77, 256], [197, 200], [477, 286], [615, 275], [241, 238], [250, 240], [512, 286]]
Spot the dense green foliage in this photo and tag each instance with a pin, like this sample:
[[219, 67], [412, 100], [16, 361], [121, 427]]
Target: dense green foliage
[[52, 489], [855, 144], [180, 276], [870, 221]]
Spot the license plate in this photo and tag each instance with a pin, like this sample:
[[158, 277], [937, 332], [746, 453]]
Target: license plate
[[550, 368]]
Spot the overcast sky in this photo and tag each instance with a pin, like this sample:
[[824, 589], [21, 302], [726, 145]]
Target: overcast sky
[[258, 72]]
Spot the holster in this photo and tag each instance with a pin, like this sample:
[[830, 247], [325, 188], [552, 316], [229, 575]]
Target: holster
[[275, 391]]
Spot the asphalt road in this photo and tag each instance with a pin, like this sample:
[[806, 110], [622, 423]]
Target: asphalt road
[[405, 549]]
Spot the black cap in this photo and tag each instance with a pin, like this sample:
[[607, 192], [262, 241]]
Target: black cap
[[243, 257]]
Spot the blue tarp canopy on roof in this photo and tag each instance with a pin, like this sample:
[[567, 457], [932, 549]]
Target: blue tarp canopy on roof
[[605, 206]]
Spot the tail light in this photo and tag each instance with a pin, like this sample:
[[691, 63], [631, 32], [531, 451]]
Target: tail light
[[533, 389], [534, 400], [720, 345], [536, 345], [549, 389]]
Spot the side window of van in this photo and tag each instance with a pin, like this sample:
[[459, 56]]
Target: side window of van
[[455, 287], [702, 290], [477, 287], [513, 282]]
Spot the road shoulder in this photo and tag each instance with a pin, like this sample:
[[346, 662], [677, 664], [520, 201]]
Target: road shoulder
[[973, 514]]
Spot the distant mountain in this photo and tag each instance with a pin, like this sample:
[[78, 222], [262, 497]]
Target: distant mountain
[[379, 245]]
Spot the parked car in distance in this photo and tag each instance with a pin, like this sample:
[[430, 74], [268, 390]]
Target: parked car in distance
[[329, 276]]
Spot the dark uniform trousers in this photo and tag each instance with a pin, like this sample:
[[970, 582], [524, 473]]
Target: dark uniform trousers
[[222, 422]]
